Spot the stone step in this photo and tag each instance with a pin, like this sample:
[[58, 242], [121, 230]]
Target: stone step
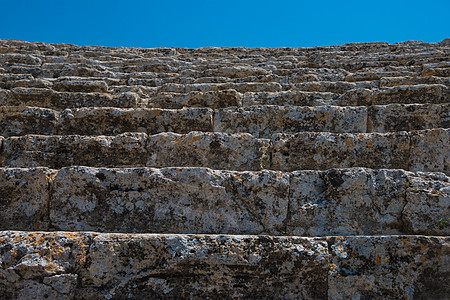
[[86, 265], [415, 151], [413, 80], [264, 121], [404, 94], [76, 93], [260, 121], [393, 53], [425, 150], [42, 97], [354, 201], [16, 120], [302, 69]]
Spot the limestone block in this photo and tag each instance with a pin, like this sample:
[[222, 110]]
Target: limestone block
[[127, 149], [430, 150], [38, 265], [80, 84], [312, 151], [346, 202], [411, 80], [427, 208], [250, 87], [24, 196], [212, 150], [389, 267], [291, 97], [398, 117], [171, 200], [199, 200], [235, 72], [110, 121], [213, 99], [20, 120], [404, 94], [43, 97], [264, 121], [16, 58], [119, 266]]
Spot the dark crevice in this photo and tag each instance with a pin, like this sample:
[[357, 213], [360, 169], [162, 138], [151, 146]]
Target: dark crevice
[[404, 224], [50, 198], [288, 218]]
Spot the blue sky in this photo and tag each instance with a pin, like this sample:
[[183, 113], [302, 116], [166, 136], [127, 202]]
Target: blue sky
[[203, 23]]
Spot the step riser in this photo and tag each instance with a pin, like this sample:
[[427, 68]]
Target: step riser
[[92, 266], [260, 121], [415, 151], [197, 200]]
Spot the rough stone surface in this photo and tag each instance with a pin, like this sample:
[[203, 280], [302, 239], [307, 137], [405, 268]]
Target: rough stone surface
[[388, 267], [17, 120], [199, 200], [298, 146], [430, 150], [48, 98], [24, 197], [425, 150], [62, 151], [264, 121], [213, 150], [97, 121], [68, 265], [310, 151], [407, 117], [399, 94], [261, 121]]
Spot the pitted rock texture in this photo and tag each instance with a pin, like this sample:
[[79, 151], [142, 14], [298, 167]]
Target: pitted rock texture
[[200, 200], [24, 197], [409, 267], [424, 150], [266, 157], [67, 265]]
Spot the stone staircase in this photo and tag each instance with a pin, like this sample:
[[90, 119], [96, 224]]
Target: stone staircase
[[216, 173]]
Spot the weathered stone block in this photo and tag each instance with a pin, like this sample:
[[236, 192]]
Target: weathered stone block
[[291, 97], [193, 200], [430, 150], [398, 117], [264, 121], [154, 266], [97, 121], [427, 209], [312, 151], [176, 200], [24, 196], [212, 150], [43, 97], [80, 84], [19, 120], [346, 202], [389, 267], [128, 149], [213, 99], [42, 265], [405, 94]]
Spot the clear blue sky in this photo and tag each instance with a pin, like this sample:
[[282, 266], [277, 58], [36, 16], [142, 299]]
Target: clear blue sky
[[202, 23]]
